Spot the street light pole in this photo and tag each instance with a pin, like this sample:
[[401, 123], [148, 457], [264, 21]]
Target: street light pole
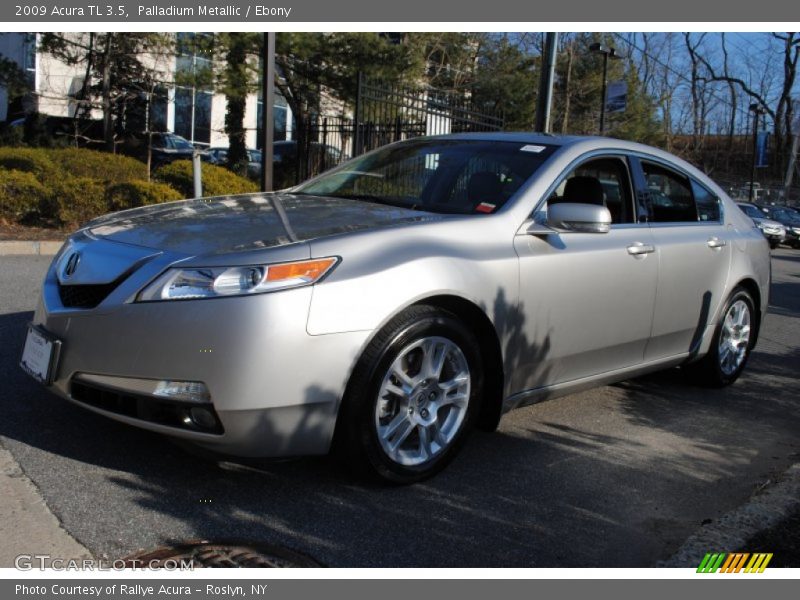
[[756, 110], [607, 53]]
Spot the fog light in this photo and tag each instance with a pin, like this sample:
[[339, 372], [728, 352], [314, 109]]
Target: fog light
[[203, 418], [187, 391]]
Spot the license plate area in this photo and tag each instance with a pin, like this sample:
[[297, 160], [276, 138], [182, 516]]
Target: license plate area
[[40, 354]]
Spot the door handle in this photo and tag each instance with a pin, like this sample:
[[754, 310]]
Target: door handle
[[715, 242], [638, 248]]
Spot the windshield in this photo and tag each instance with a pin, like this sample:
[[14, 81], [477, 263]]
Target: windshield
[[445, 176]]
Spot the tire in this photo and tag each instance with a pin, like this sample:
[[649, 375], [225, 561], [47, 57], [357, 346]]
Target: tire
[[723, 363], [406, 430], [773, 244]]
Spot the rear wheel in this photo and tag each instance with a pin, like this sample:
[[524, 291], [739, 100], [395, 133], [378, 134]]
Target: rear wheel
[[730, 348], [413, 396]]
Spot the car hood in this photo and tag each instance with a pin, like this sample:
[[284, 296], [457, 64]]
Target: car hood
[[247, 222], [767, 222]]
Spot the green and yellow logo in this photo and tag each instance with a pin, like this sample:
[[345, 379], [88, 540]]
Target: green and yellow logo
[[734, 562]]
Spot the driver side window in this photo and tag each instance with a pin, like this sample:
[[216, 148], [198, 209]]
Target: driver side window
[[602, 181]]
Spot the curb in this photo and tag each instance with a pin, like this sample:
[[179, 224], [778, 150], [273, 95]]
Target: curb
[[732, 531], [29, 248]]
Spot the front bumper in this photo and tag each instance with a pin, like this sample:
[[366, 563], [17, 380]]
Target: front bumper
[[275, 389], [774, 236]]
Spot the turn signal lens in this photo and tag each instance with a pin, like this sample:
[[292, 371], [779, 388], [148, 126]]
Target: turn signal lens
[[308, 270]]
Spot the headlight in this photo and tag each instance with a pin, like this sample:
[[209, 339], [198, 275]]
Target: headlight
[[796, 230], [216, 282]]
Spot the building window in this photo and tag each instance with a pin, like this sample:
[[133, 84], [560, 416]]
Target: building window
[[29, 59], [280, 114], [194, 91]]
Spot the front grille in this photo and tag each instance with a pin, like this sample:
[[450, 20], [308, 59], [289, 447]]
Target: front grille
[[171, 413], [85, 296]]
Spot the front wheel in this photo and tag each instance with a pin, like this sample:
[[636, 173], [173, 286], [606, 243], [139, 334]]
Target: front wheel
[[413, 396], [734, 337]]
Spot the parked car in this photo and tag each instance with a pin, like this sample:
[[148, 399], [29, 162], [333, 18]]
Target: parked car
[[219, 156], [790, 219], [388, 306], [168, 147], [772, 230]]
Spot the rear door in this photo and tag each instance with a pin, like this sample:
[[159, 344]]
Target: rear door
[[693, 250]]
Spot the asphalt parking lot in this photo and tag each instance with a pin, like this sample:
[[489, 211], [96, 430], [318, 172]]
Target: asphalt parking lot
[[613, 477]]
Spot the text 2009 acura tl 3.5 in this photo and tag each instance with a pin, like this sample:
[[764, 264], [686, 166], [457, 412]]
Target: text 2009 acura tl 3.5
[[391, 304]]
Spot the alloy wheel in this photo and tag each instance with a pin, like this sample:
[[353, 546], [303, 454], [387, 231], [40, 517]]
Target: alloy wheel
[[734, 337], [423, 400]]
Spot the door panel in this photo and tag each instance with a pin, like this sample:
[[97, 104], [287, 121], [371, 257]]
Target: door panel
[[694, 260], [693, 249], [586, 302]]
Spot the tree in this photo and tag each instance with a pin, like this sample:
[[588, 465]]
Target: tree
[[237, 78], [505, 82], [116, 73], [310, 64]]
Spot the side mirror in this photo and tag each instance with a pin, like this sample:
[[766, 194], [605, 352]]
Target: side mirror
[[571, 217]]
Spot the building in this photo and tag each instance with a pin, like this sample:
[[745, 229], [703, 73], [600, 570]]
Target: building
[[193, 111]]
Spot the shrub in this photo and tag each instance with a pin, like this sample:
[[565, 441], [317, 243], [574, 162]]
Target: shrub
[[75, 200], [139, 193], [31, 160], [112, 168], [21, 195], [217, 181]]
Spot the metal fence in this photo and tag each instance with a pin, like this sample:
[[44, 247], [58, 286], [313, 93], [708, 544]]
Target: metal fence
[[384, 113], [387, 112]]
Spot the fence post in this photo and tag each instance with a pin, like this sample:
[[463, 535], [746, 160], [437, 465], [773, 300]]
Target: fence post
[[357, 134], [197, 174], [324, 164]]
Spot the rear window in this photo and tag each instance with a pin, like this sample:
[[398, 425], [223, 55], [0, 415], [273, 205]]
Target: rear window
[[670, 193]]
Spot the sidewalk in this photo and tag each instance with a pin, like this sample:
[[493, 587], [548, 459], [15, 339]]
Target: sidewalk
[[27, 527]]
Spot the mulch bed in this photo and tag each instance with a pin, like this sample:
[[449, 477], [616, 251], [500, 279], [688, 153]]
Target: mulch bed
[[12, 231]]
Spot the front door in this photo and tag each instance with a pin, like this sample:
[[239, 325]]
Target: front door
[[586, 299]]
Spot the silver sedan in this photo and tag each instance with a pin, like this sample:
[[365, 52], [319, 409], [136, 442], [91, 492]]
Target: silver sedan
[[386, 307]]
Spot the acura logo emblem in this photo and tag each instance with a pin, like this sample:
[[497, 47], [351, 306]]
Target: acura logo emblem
[[72, 264]]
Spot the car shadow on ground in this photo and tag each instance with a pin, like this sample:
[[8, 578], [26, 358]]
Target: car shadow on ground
[[558, 485]]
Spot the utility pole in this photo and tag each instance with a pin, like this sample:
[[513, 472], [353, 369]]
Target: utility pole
[[544, 101], [108, 123], [795, 131], [267, 110]]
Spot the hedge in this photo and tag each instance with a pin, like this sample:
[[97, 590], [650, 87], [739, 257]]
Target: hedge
[[139, 193], [69, 186], [217, 181], [112, 168], [75, 200], [31, 160], [21, 196]]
